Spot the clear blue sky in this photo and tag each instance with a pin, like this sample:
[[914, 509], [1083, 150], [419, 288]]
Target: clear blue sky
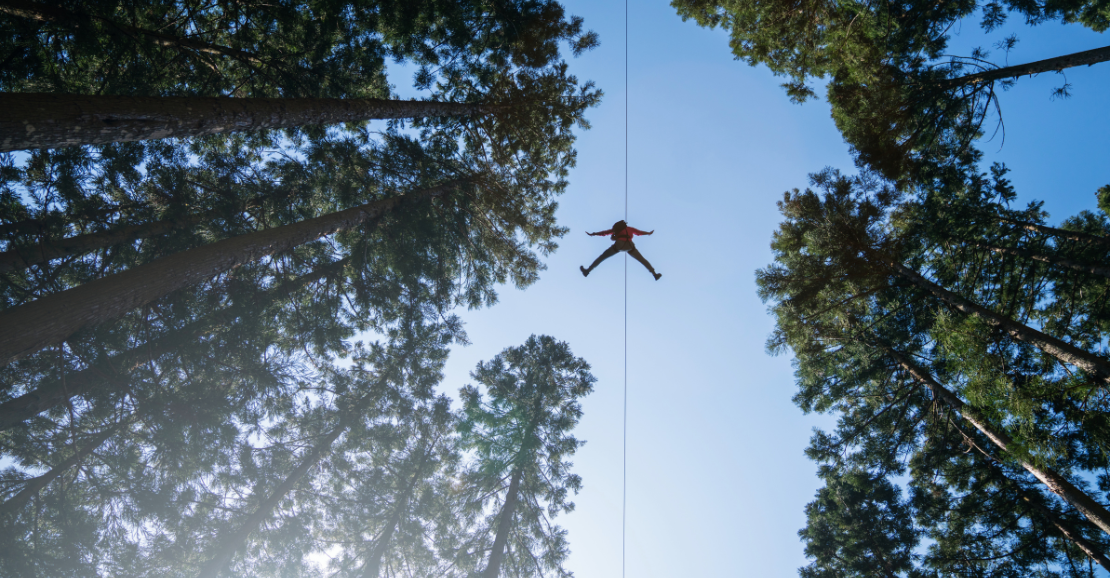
[[717, 481]]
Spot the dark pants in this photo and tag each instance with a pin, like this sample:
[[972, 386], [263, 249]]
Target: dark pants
[[619, 246]]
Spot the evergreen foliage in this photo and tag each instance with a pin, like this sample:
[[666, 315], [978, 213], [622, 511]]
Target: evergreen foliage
[[519, 433], [907, 107], [961, 342], [240, 423]]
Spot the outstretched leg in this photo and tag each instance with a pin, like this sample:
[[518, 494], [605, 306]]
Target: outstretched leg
[[637, 256], [608, 253]]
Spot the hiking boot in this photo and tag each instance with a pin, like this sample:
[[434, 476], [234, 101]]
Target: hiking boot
[[656, 275], [586, 272]]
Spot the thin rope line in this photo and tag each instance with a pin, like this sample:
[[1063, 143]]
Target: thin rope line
[[624, 433]]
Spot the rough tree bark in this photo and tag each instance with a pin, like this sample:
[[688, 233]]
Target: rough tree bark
[[79, 383], [50, 320], [29, 120]]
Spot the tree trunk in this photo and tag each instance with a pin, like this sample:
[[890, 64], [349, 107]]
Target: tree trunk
[[504, 524], [20, 258], [79, 383], [231, 542], [28, 227], [1068, 531], [51, 319], [1100, 270], [1088, 57], [34, 485], [29, 121], [372, 568], [46, 13], [1057, 348], [1034, 500], [1070, 235], [1056, 483]]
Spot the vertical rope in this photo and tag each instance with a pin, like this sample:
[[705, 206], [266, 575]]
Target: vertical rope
[[624, 433]]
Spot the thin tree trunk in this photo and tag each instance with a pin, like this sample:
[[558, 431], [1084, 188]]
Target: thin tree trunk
[[24, 227], [1068, 531], [20, 258], [231, 542], [1064, 233], [504, 524], [52, 319], [46, 13], [1100, 270], [1057, 348], [27, 227], [1056, 483], [1034, 500], [15, 411], [29, 121], [1088, 57], [34, 485], [372, 568]]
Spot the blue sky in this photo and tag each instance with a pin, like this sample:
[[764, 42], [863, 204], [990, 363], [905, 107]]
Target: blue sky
[[717, 481]]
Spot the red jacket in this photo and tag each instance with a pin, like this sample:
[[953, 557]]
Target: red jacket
[[625, 235]]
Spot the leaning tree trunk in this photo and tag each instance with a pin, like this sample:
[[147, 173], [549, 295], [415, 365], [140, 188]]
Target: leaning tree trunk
[[29, 121], [231, 542], [1066, 234], [76, 384], [1033, 499], [52, 319], [22, 257], [1088, 57], [1057, 348], [1055, 482], [34, 485], [372, 568], [1070, 533], [504, 524], [28, 227], [18, 258], [1099, 270]]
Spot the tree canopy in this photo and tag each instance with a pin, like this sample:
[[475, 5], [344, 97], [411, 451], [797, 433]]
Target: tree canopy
[[958, 339], [906, 105], [274, 391]]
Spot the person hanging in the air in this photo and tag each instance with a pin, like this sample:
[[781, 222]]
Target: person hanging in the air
[[621, 234]]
